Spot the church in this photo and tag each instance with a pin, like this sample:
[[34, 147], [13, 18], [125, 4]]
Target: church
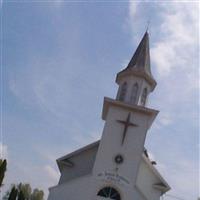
[[117, 167]]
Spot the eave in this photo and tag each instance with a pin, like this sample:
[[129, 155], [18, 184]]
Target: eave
[[137, 73], [162, 185]]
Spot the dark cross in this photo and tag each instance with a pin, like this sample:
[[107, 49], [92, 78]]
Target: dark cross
[[126, 124]]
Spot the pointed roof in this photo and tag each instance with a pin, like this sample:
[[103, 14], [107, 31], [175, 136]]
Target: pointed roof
[[141, 57], [140, 62]]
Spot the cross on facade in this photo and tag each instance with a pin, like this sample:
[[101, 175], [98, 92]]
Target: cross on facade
[[126, 124]]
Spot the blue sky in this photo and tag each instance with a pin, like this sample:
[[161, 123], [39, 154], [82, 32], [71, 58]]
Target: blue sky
[[59, 59]]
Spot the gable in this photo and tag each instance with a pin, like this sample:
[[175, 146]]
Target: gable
[[81, 162], [78, 163], [149, 182]]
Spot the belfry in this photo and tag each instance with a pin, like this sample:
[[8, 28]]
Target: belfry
[[117, 167]]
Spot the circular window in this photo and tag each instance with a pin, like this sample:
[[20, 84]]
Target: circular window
[[119, 159], [109, 193]]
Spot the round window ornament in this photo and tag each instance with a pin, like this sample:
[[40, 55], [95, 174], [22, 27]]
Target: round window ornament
[[119, 159]]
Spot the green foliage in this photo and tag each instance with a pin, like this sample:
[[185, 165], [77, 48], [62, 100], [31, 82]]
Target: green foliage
[[21, 195], [25, 189], [13, 194], [37, 195], [3, 165], [24, 192]]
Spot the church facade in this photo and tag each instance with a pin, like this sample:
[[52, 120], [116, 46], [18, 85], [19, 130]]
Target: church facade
[[117, 167]]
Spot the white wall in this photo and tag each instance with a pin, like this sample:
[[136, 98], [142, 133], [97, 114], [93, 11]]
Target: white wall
[[82, 165], [145, 182], [76, 189], [132, 151]]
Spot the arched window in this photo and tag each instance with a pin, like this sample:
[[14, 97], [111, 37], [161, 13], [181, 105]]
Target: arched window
[[144, 97], [134, 93], [110, 193], [123, 92]]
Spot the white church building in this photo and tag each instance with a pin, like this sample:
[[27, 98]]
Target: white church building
[[117, 167]]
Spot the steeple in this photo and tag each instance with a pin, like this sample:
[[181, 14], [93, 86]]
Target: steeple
[[127, 122], [138, 72], [141, 57]]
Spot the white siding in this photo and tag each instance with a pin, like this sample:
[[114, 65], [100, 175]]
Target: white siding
[[146, 179]]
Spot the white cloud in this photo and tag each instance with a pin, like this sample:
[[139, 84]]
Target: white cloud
[[182, 177], [133, 8], [179, 38], [165, 119], [133, 17], [3, 151], [174, 53], [35, 89], [52, 173], [174, 56]]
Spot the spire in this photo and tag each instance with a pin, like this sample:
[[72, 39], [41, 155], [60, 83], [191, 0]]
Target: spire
[[139, 64], [141, 57]]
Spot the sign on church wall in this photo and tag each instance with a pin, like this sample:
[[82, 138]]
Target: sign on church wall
[[113, 177]]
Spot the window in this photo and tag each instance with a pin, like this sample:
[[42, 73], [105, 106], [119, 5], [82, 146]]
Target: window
[[134, 93], [144, 97], [110, 193], [123, 92]]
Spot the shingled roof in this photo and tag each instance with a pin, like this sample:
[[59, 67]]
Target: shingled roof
[[140, 62], [141, 57]]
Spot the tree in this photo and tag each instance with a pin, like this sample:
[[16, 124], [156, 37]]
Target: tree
[[13, 194], [24, 192], [3, 165], [37, 195], [21, 195]]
